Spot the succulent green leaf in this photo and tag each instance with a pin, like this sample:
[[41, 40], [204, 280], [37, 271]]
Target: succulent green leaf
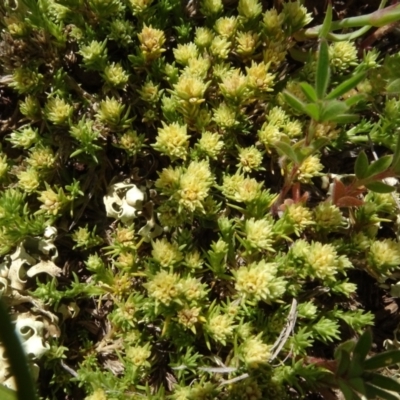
[[373, 392], [332, 109], [345, 86], [313, 111], [326, 26], [363, 345], [7, 394], [361, 166], [384, 382], [309, 92], [385, 359], [380, 187], [294, 102], [286, 150], [379, 166], [323, 71]]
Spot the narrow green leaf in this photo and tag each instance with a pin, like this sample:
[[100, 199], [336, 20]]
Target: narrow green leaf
[[309, 92], [345, 118], [384, 382], [286, 150], [344, 364], [353, 100], [380, 187], [345, 86], [361, 166], [326, 26], [346, 390], [313, 111], [323, 72], [355, 369], [375, 392], [364, 343], [382, 360], [379, 166], [294, 102], [357, 384], [7, 394], [331, 109]]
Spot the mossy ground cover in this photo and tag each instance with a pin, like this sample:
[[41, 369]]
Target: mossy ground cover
[[199, 200]]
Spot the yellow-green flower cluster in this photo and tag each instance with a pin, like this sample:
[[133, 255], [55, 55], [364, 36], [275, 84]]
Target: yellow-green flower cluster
[[172, 140], [384, 255], [259, 281], [194, 186]]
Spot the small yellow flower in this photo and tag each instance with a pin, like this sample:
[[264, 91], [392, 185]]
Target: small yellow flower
[[150, 92], [211, 8], [26, 80], [52, 201], [246, 43], [138, 6], [220, 327], [24, 138], [131, 142], [190, 89], [254, 352], [248, 191], [328, 216], [185, 52], [258, 281], [384, 254], [172, 140], [269, 134], [115, 76], [166, 253], [342, 55], [188, 317], [220, 47], [258, 77], [151, 42], [272, 22], [28, 180], [210, 144], [225, 117], [139, 355], [226, 26], [310, 168], [41, 158], [300, 216], [163, 287], [234, 86], [58, 111], [111, 113], [324, 262], [250, 159], [249, 9], [259, 233], [326, 130], [30, 107], [194, 185], [168, 180], [203, 37]]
